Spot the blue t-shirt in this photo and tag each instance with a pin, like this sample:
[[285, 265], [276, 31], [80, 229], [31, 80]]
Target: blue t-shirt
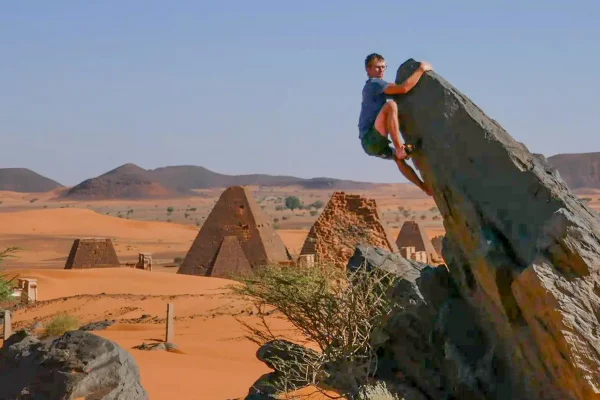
[[373, 99]]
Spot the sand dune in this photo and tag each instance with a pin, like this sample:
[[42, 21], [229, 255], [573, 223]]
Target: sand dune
[[46, 235], [67, 221]]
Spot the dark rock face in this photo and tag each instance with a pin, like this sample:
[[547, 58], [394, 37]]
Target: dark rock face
[[78, 364], [523, 251], [433, 346]]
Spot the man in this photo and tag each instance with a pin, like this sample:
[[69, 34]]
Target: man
[[379, 117]]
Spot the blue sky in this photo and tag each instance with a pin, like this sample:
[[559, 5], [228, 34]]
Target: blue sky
[[274, 86]]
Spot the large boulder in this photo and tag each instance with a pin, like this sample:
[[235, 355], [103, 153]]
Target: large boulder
[[523, 251], [75, 365]]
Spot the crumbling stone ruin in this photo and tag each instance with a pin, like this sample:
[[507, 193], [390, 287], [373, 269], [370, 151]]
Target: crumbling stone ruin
[[414, 240], [346, 221], [92, 253], [515, 314], [236, 237]]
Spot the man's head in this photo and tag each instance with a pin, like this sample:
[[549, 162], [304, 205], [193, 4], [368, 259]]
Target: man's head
[[375, 65]]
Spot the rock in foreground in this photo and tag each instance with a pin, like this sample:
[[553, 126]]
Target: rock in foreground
[[76, 365]]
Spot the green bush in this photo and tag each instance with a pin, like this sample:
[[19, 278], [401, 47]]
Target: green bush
[[170, 210], [313, 213], [7, 286], [317, 204], [61, 324]]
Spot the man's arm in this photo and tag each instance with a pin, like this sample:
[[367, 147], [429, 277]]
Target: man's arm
[[410, 83]]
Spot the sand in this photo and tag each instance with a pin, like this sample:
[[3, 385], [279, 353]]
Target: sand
[[216, 360]]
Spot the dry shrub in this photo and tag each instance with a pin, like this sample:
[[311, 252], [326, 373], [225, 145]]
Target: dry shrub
[[61, 324], [338, 312]]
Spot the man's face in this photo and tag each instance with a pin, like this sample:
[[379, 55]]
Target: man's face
[[376, 69]]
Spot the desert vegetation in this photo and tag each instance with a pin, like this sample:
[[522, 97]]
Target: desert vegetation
[[337, 312], [61, 324], [6, 285]]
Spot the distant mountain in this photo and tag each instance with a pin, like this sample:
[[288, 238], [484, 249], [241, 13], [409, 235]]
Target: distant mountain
[[25, 180], [194, 177], [125, 182], [130, 181], [578, 170]]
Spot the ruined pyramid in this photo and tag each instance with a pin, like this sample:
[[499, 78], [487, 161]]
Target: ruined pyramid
[[235, 223], [346, 221], [412, 235], [92, 253]]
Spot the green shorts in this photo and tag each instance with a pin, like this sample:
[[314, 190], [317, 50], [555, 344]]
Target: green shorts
[[376, 145]]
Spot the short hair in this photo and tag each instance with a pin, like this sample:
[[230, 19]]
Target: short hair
[[372, 57]]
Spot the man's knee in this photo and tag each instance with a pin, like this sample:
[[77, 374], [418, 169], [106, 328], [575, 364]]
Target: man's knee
[[391, 107]]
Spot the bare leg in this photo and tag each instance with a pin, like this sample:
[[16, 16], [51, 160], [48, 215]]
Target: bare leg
[[411, 175], [387, 122]]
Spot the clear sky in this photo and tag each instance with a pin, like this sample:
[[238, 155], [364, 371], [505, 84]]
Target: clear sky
[[273, 86]]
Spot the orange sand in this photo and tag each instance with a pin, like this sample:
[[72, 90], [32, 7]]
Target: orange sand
[[216, 360]]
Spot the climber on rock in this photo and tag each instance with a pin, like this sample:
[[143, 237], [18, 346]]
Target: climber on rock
[[379, 117]]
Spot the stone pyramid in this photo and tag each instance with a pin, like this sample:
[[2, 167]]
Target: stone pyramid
[[412, 235], [236, 214], [230, 260], [92, 253], [346, 221]]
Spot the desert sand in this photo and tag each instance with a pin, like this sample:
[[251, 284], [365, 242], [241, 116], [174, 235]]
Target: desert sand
[[215, 360]]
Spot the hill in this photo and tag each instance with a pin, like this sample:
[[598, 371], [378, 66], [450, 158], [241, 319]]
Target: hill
[[195, 177], [25, 181], [578, 170], [125, 182]]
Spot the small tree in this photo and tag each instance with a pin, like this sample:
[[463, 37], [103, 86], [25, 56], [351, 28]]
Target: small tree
[[341, 313], [292, 202], [170, 210]]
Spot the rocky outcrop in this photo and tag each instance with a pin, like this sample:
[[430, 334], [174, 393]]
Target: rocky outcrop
[[76, 365], [433, 346], [523, 251]]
